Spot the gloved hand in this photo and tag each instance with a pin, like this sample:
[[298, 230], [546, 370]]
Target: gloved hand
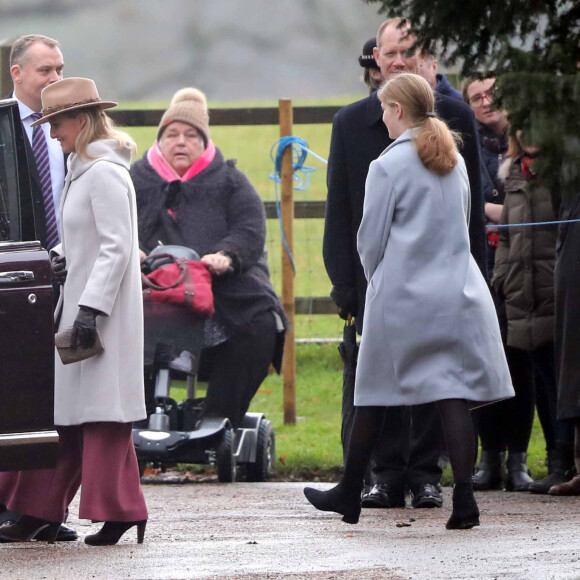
[[84, 331], [346, 300], [59, 272]]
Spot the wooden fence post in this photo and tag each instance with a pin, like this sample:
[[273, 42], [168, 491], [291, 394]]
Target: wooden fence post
[[5, 78], [287, 211]]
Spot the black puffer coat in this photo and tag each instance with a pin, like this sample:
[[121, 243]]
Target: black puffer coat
[[524, 262], [216, 210]]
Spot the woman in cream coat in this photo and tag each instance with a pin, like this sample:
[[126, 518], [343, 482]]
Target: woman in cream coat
[[430, 329], [97, 399]]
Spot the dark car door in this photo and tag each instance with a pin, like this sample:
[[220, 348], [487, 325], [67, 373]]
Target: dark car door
[[27, 436]]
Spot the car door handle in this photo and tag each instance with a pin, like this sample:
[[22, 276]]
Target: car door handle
[[16, 276]]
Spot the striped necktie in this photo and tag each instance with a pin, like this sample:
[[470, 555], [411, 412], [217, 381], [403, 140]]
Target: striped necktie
[[40, 150]]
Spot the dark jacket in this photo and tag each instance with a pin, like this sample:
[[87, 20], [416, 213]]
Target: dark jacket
[[493, 150], [216, 210], [444, 87], [567, 289], [36, 190], [359, 136], [524, 263]]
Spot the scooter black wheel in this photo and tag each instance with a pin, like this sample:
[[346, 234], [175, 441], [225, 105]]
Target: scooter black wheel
[[262, 468], [225, 460]]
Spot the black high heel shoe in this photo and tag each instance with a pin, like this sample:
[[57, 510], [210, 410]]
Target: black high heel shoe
[[111, 533], [339, 499], [26, 529]]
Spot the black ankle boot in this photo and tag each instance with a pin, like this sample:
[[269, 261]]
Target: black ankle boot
[[340, 499], [491, 471], [560, 468], [111, 533], [26, 529], [518, 475], [465, 513]]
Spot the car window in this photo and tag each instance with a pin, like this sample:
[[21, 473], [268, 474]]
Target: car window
[[9, 207]]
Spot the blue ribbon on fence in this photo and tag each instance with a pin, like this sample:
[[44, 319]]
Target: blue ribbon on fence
[[299, 153]]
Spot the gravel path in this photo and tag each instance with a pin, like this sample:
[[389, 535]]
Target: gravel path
[[268, 531]]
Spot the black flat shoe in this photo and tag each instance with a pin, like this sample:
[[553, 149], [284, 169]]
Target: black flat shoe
[[384, 495], [65, 534], [338, 499], [111, 533], [27, 528], [426, 495]]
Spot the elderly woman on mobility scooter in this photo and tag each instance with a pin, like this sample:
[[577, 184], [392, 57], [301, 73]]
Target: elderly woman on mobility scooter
[[96, 399], [188, 195]]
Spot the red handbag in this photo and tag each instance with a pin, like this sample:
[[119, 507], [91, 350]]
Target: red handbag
[[183, 282]]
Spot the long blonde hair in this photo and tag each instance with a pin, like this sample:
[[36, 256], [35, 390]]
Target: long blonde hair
[[436, 143], [98, 126]]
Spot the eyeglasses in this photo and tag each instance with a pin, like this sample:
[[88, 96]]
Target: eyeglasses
[[477, 100]]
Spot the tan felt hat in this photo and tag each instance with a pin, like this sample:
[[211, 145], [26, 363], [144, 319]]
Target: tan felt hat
[[70, 94]]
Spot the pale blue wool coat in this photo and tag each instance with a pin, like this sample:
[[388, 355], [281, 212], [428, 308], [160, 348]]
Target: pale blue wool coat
[[430, 326]]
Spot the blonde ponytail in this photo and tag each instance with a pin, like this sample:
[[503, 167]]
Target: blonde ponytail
[[436, 143], [436, 146]]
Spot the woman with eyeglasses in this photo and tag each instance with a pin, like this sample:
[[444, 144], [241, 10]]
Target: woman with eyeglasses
[[508, 426]]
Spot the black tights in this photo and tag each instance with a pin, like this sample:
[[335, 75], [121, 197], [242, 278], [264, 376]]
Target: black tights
[[368, 424]]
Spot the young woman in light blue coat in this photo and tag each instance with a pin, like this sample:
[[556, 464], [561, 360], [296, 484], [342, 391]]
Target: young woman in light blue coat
[[431, 331]]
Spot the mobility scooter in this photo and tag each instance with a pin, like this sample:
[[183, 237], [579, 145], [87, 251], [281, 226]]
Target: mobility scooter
[[179, 432]]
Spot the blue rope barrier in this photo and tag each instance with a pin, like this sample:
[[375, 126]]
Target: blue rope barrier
[[532, 224]]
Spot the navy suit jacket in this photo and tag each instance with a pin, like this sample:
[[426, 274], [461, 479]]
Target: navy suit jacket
[[359, 136], [36, 189]]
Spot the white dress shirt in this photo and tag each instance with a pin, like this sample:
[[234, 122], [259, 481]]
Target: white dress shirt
[[55, 156]]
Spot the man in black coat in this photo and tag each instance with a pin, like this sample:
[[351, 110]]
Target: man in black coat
[[403, 457]]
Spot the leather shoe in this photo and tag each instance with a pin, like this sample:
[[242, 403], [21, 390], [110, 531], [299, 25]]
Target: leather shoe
[[383, 495], [65, 534], [571, 487], [426, 495]]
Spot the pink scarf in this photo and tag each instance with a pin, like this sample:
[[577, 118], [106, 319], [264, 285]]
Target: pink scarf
[[165, 171]]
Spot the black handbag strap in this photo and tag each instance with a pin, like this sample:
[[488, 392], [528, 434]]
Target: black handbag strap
[[183, 273]]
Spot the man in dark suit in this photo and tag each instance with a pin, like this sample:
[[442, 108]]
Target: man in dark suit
[[35, 62], [404, 457]]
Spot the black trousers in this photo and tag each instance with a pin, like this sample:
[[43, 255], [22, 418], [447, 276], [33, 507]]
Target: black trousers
[[544, 363], [508, 424], [236, 368], [408, 448]]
